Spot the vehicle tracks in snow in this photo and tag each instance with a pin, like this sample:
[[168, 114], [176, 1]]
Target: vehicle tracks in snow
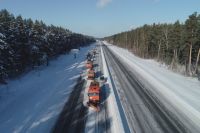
[[144, 111], [72, 118]]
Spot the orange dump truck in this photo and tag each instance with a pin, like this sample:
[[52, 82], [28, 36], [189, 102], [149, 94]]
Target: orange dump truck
[[94, 93], [89, 64], [91, 74]]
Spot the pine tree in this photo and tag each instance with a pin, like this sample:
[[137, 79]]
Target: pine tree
[[172, 44], [24, 43], [175, 44], [191, 26]]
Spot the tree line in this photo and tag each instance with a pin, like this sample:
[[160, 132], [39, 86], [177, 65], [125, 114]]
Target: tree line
[[176, 44], [25, 43]]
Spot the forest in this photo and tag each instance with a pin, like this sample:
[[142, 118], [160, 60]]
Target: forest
[[175, 44], [25, 43]]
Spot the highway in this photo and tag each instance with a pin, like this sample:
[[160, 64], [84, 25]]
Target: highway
[[98, 122], [144, 111]]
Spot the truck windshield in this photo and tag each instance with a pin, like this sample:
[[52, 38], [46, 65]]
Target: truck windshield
[[93, 94]]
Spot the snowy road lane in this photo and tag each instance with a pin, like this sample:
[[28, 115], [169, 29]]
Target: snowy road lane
[[145, 113], [98, 122]]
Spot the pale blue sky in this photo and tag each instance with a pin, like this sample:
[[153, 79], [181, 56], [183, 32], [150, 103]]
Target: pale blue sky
[[101, 18]]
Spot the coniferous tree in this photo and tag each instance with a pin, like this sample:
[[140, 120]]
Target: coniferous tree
[[191, 27], [174, 44], [25, 44]]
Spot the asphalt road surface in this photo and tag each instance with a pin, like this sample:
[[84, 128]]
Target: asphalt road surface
[[144, 111]]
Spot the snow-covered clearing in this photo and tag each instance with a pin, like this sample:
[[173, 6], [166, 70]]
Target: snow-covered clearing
[[180, 92], [33, 102]]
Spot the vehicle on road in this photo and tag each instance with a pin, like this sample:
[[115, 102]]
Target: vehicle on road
[[94, 94]]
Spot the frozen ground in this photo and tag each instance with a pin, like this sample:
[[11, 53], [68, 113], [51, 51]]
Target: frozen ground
[[181, 93], [33, 102]]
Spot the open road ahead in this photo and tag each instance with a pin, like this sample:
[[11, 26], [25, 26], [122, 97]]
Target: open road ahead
[[144, 111]]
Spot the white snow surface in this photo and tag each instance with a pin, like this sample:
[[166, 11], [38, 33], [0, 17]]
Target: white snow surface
[[113, 111], [183, 93], [33, 102]]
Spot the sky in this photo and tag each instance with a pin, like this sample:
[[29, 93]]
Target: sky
[[100, 18]]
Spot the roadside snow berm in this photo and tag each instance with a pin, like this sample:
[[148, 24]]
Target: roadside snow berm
[[94, 95]]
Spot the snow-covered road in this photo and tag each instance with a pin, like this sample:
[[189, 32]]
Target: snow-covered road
[[170, 103], [33, 102]]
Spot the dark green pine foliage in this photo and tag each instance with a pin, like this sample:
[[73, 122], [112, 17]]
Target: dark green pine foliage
[[191, 29], [175, 41], [175, 44], [25, 44]]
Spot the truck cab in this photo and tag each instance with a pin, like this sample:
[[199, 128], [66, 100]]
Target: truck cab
[[94, 93]]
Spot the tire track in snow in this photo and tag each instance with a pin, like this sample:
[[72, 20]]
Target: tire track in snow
[[163, 117]]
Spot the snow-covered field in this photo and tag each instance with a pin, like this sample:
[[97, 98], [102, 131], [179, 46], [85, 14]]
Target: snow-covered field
[[183, 93], [33, 102]]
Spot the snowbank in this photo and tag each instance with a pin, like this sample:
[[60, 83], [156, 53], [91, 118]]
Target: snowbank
[[33, 102]]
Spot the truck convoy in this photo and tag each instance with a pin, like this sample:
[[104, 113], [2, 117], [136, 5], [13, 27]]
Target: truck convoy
[[94, 87]]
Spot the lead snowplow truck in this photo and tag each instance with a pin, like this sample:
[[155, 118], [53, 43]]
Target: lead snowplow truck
[[94, 95]]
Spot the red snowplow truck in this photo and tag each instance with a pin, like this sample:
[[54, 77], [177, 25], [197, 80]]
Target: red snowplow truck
[[94, 94]]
